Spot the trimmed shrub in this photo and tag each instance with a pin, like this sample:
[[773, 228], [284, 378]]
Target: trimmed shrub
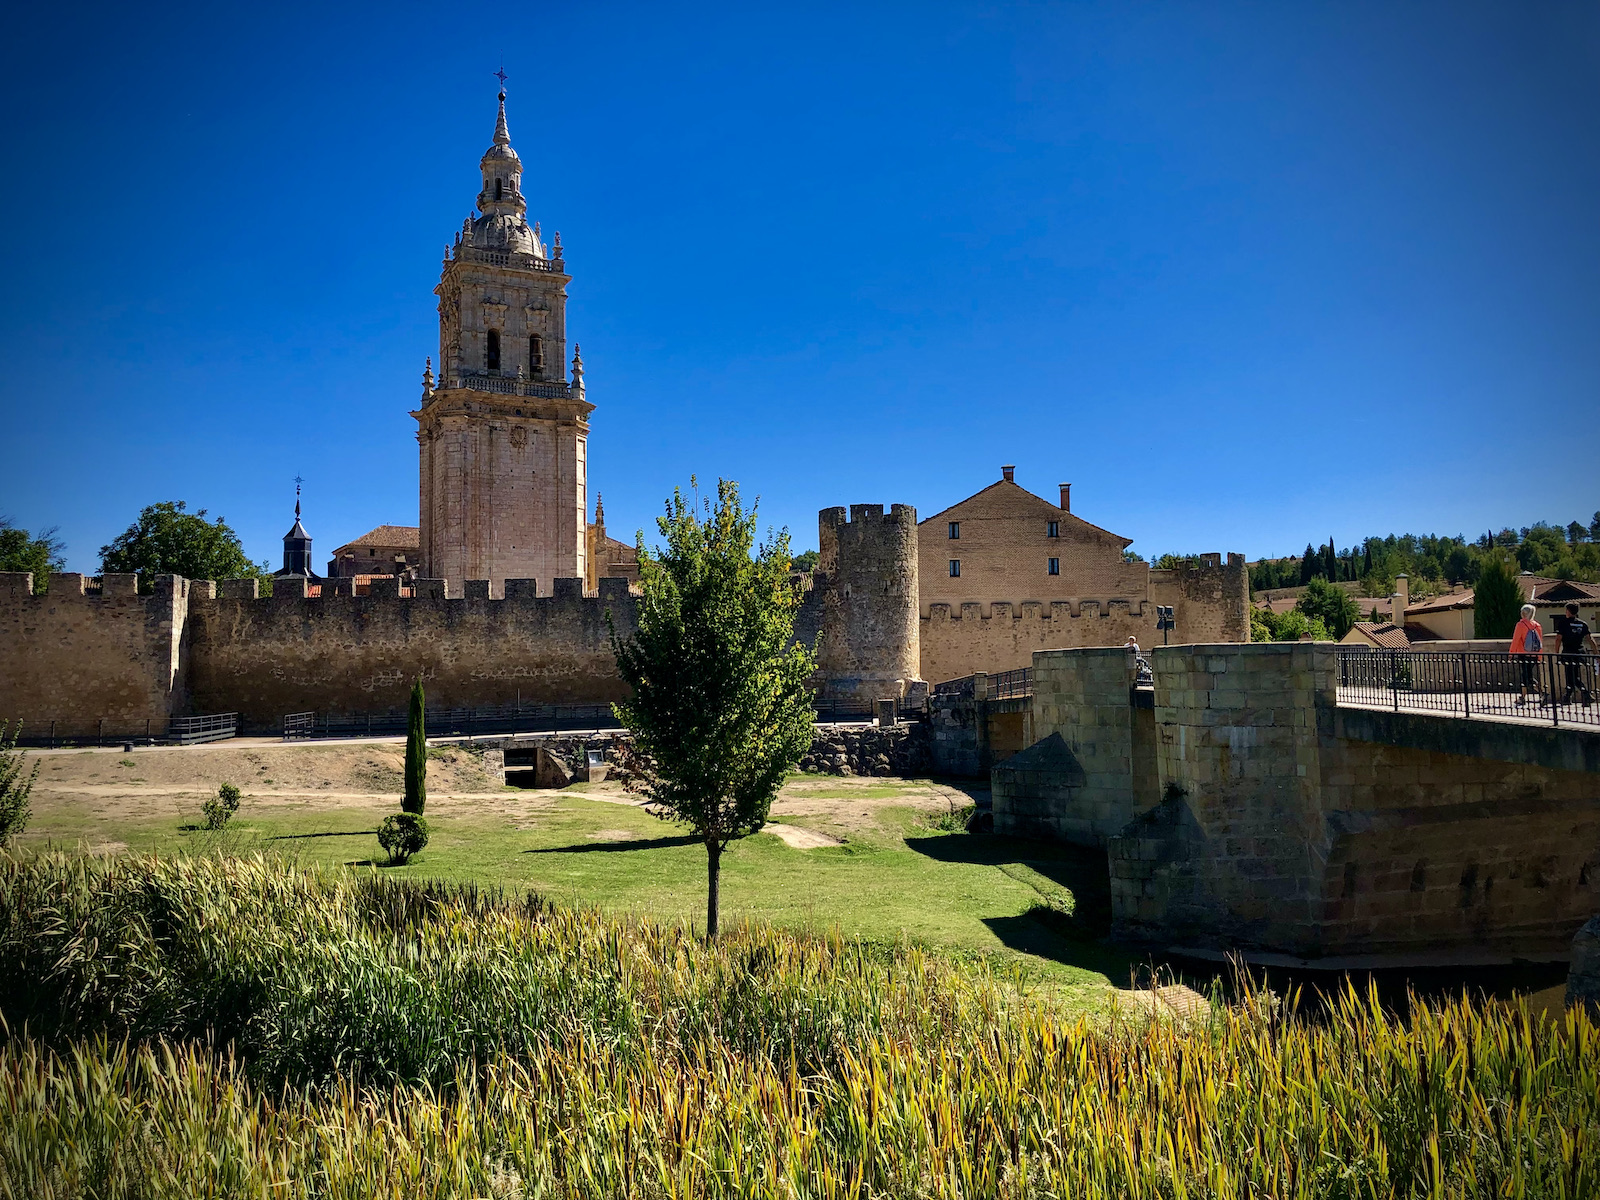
[[402, 835], [416, 798], [219, 809]]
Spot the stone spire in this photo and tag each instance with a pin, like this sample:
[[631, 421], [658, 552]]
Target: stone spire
[[503, 224], [577, 368], [502, 136], [599, 511]]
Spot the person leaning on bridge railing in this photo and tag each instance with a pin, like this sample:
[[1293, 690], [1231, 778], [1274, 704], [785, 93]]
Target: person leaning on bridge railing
[[1527, 643], [1574, 635]]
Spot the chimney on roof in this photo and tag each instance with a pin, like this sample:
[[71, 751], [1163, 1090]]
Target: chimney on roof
[[1066, 497], [1008, 472], [1401, 601]]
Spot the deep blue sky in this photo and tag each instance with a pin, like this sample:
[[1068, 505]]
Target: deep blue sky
[[1245, 275]]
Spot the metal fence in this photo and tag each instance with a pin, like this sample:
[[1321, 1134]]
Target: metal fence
[[524, 718], [1001, 685], [111, 731], [453, 722], [1006, 684], [189, 731], [1559, 688]]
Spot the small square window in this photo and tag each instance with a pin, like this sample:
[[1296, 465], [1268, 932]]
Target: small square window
[[955, 530], [955, 568], [1052, 529], [1055, 566]]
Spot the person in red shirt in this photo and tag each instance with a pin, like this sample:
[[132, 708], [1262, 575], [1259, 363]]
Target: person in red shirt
[[1527, 642]]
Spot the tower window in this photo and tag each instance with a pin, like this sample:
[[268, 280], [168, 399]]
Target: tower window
[[955, 532], [1052, 529], [1055, 566], [955, 568], [494, 350], [498, 185], [536, 352]]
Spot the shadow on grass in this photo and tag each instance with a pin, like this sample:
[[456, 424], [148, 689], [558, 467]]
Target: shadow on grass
[[1076, 938], [291, 837], [613, 847]]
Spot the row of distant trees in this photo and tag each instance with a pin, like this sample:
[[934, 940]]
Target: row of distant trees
[[166, 539], [1570, 552]]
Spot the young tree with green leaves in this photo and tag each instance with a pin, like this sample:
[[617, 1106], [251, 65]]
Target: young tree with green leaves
[[1330, 604], [416, 798], [15, 785], [167, 540], [721, 706], [1497, 600]]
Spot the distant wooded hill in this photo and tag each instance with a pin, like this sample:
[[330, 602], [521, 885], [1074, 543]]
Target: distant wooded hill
[[1554, 551]]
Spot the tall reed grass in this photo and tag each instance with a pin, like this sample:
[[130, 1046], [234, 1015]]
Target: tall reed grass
[[209, 1028]]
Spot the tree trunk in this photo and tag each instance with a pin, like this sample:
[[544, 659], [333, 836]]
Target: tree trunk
[[713, 872]]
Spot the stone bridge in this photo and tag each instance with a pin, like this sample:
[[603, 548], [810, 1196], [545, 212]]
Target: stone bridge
[[1249, 802]]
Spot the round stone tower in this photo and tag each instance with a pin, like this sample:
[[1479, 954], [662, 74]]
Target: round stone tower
[[867, 577]]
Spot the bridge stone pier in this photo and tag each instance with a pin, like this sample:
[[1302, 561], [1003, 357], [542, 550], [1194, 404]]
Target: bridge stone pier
[[1248, 809]]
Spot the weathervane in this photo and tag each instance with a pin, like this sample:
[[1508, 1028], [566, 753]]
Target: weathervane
[[501, 76], [297, 482]]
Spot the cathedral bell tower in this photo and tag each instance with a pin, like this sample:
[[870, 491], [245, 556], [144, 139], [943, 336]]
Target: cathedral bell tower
[[502, 434]]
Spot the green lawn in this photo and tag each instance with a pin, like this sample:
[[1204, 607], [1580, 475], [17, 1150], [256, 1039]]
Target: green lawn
[[896, 876]]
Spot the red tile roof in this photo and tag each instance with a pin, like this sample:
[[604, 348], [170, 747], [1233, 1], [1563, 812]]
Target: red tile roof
[[399, 537]]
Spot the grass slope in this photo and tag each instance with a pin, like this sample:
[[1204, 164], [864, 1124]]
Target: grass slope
[[234, 1027]]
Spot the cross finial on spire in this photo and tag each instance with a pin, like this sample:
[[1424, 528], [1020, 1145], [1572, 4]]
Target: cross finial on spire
[[502, 77]]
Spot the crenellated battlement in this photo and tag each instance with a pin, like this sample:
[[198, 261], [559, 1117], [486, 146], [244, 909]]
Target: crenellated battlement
[[296, 590], [1034, 611], [71, 585], [91, 649]]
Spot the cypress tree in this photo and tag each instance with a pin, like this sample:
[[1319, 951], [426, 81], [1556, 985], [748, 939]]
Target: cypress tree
[[1308, 565], [1496, 600], [416, 756], [1366, 565], [1331, 563]]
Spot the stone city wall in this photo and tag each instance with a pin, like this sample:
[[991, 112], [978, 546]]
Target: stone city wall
[[956, 644], [1210, 600], [78, 655], [1210, 603], [341, 653]]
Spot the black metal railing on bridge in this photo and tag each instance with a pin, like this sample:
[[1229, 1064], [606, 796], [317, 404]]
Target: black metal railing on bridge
[[1559, 688], [1001, 685]]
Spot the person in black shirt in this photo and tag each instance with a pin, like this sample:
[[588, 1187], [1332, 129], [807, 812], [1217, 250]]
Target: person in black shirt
[[1574, 634]]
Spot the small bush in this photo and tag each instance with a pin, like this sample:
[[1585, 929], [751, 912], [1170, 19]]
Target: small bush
[[220, 808], [402, 835], [957, 820], [14, 785]]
